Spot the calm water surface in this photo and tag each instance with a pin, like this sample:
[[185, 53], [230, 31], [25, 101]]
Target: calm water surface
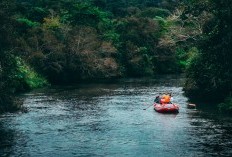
[[109, 120]]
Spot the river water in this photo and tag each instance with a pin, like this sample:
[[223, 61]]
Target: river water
[[109, 120]]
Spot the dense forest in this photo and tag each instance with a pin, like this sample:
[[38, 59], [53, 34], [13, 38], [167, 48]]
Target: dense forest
[[46, 42]]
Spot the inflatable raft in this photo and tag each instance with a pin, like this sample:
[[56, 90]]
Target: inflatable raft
[[166, 108]]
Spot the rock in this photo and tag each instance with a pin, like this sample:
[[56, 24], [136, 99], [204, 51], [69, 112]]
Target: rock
[[192, 105]]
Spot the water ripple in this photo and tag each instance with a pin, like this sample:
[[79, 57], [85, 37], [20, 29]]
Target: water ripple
[[109, 120]]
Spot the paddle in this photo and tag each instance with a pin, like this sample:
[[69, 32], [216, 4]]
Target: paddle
[[148, 107]]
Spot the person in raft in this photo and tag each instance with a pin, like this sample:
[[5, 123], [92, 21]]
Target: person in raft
[[157, 99], [164, 99]]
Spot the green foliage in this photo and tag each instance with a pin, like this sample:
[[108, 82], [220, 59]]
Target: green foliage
[[52, 23], [59, 39], [141, 63], [68, 41], [111, 36], [186, 58], [162, 21], [226, 106], [85, 14], [26, 77], [27, 22], [210, 73], [36, 13], [118, 8], [139, 37], [182, 57], [106, 28], [40, 10], [153, 12], [143, 32], [164, 25], [6, 66]]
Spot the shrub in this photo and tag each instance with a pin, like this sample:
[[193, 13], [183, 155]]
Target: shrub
[[52, 22], [226, 106], [26, 77], [153, 12], [186, 58]]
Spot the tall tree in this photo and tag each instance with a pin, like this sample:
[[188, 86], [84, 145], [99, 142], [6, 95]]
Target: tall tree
[[210, 73], [7, 64]]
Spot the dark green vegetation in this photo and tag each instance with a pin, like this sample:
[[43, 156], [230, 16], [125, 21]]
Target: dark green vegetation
[[209, 75], [67, 41]]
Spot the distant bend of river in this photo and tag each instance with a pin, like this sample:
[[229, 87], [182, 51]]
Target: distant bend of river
[[107, 119]]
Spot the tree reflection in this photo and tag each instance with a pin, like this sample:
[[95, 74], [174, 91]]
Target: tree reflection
[[7, 140]]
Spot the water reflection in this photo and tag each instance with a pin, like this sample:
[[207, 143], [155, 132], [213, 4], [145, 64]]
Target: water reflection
[[10, 138], [109, 120], [7, 139], [211, 132]]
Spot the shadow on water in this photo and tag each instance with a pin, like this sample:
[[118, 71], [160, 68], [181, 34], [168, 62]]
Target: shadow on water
[[10, 138], [211, 130], [7, 140]]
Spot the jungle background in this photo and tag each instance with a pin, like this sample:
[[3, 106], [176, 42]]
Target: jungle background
[[48, 42]]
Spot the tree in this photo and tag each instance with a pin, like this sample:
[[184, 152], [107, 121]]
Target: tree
[[7, 63], [209, 75]]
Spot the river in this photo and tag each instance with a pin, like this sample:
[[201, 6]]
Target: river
[[108, 119]]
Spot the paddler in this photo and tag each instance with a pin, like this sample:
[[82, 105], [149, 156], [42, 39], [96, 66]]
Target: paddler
[[166, 98]]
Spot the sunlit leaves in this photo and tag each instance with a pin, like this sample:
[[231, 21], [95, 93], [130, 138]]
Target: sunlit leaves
[[52, 22], [27, 22], [26, 75]]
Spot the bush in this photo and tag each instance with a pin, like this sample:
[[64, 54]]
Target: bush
[[186, 58], [85, 14], [26, 78], [7, 69], [52, 23], [226, 106], [153, 12]]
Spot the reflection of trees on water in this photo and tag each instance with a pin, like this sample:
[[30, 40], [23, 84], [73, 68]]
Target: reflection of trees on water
[[7, 137], [212, 132], [11, 139]]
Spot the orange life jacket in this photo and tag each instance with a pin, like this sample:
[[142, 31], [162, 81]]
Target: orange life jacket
[[165, 99]]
